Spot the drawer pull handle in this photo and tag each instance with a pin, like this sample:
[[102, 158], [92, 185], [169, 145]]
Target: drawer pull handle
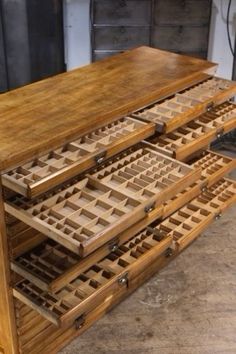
[[113, 246], [169, 252], [218, 216], [79, 322], [100, 158], [149, 208], [220, 133], [203, 189], [209, 106], [123, 280]]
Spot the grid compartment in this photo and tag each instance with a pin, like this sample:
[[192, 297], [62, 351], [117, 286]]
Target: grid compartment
[[142, 174], [90, 212], [45, 172], [128, 260], [188, 104]]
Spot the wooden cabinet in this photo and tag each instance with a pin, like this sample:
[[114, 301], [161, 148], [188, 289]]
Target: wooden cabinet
[[94, 196]]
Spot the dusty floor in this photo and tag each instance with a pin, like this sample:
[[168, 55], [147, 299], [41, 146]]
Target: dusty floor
[[188, 308]]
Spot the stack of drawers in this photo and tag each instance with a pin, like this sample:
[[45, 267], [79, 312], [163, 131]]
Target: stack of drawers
[[90, 221]]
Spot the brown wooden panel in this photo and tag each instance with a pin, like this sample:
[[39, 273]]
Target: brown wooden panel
[[120, 38], [122, 12], [180, 38], [182, 12], [88, 97]]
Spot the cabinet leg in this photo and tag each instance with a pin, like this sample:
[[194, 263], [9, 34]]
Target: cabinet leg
[[8, 334]]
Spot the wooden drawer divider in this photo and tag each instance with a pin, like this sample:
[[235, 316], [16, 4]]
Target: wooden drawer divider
[[183, 142], [90, 213], [121, 267], [181, 108], [45, 172]]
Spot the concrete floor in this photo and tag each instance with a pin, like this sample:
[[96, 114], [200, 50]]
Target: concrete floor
[[188, 308]]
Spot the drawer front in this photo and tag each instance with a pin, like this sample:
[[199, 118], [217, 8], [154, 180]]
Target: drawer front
[[120, 38], [122, 12], [91, 212], [180, 38], [124, 265], [102, 54], [186, 105], [183, 142], [186, 12], [75, 157]]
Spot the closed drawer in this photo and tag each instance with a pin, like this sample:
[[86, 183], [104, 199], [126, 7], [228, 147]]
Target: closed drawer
[[121, 268], [98, 283], [180, 38], [57, 166], [181, 108], [120, 38], [186, 12], [102, 54], [122, 12], [183, 142], [91, 212]]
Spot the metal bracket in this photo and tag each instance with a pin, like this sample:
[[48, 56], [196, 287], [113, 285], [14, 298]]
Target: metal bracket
[[209, 106], [100, 157], [123, 280], [149, 208], [79, 322]]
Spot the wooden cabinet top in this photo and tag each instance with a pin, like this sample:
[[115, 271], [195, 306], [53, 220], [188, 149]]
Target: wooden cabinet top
[[46, 114]]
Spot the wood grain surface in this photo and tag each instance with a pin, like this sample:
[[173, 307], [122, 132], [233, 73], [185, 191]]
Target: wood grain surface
[[43, 115]]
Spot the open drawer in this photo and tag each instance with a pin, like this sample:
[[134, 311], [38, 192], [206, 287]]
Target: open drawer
[[186, 105], [100, 281], [45, 172], [189, 221], [121, 267], [50, 266], [183, 142], [92, 212]]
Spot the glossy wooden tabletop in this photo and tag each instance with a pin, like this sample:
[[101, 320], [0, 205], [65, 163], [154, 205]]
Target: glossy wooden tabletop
[[43, 115]]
